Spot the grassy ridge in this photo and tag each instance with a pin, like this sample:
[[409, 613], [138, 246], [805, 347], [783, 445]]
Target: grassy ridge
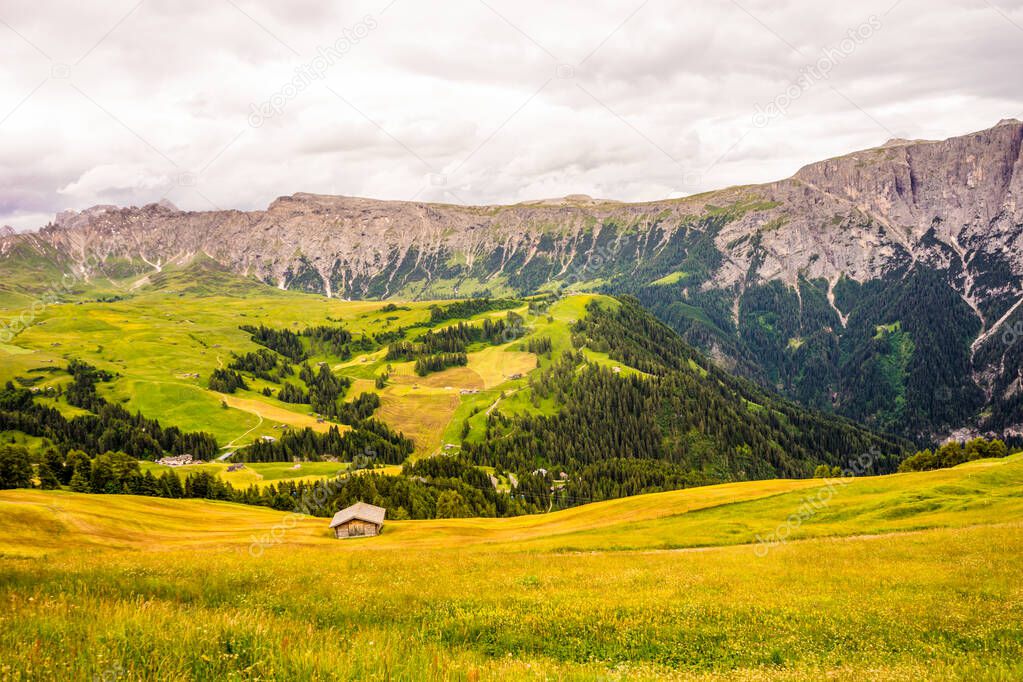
[[169, 589]]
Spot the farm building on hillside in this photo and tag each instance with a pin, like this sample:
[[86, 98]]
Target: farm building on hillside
[[359, 520]]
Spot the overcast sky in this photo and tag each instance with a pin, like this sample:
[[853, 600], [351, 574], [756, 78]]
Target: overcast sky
[[231, 103]]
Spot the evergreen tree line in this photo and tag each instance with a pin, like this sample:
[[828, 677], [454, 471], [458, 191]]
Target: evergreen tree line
[[226, 381], [533, 490], [954, 453], [359, 409], [684, 423], [540, 345], [110, 427], [333, 341], [368, 437], [263, 364], [338, 342], [470, 307], [436, 363], [619, 477], [325, 389], [444, 488], [110, 473], [456, 338], [282, 341], [290, 393]]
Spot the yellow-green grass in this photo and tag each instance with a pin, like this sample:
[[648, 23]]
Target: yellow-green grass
[[421, 414], [187, 406], [18, 363], [453, 377], [155, 341], [978, 493], [914, 576], [277, 413], [671, 278], [498, 364], [604, 360], [255, 473], [6, 349], [467, 404]]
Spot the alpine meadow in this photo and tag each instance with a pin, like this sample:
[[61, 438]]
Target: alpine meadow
[[715, 426]]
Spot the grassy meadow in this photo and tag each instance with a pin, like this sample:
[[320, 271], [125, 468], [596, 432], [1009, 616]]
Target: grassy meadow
[[910, 576], [168, 332]]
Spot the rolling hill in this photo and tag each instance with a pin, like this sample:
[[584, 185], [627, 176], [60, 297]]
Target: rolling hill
[[575, 398], [895, 577]]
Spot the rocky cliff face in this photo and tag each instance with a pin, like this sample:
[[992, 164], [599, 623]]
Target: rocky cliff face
[[953, 207], [858, 215]]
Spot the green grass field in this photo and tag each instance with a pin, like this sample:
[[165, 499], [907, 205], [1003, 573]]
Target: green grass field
[[256, 473], [905, 577], [184, 324]]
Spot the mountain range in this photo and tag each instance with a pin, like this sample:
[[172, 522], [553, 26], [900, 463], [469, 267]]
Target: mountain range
[[885, 285]]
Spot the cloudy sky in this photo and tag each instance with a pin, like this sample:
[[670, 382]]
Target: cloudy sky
[[231, 103]]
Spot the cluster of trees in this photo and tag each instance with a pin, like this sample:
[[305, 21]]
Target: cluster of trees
[[469, 307], [457, 338], [954, 453], [338, 342], [439, 362], [111, 473], [540, 345], [368, 438], [329, 340], [825, 471], [81, 392], [16, 468], [359, 409], [620, 477], [290, 393], [325, 389], [283, 341], [264, 364], [226, 381], [108, 427], [335, 341], [401, 350]]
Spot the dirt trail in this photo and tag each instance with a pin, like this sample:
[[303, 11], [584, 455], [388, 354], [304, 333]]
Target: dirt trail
[[494, 404]]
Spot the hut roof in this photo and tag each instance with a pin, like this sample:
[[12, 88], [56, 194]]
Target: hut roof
[[361, 511]]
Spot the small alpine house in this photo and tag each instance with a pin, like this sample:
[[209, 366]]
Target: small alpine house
[[359, 520]]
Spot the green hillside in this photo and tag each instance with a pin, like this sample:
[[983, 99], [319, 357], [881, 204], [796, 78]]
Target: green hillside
[[590, 391]]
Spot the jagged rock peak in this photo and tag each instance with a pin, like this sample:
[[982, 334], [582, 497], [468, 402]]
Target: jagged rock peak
[[899, 142]]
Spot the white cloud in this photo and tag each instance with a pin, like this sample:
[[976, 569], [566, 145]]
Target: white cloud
[[469, 101]]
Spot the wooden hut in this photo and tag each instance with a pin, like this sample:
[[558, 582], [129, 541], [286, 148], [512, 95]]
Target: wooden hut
[[359, 520]]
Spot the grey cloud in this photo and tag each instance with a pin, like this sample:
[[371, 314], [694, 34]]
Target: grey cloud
[[450, 89]]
